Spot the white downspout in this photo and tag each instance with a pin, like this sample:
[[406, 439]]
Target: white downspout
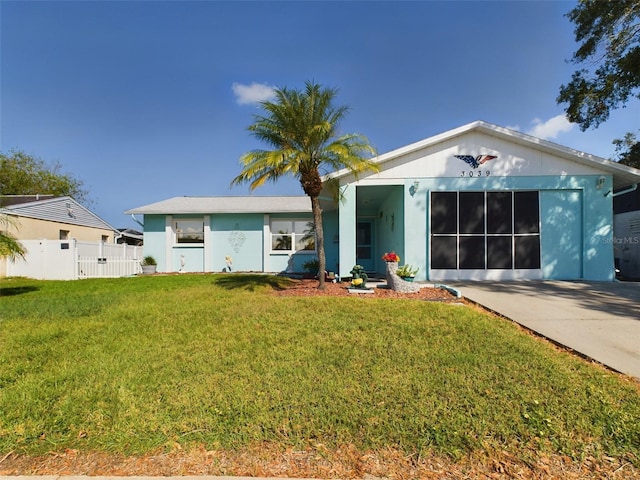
[[632, 188], [133, 217]]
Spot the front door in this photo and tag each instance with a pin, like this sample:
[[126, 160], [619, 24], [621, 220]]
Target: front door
[[364, 245]]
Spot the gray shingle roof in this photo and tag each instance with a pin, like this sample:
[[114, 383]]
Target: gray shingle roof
[[59, 209], [204, 205]]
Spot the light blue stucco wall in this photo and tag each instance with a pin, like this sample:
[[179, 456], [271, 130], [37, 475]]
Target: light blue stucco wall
[[347, 227], [239, 236], [187, 258], [154, 239], [561, 236], [576, 229], [576, 222]]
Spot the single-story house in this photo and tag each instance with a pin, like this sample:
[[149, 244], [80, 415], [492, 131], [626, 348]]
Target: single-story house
[[45, 217], [478, 202]]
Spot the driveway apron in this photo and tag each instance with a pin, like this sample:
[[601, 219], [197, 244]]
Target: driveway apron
[[600, 320]]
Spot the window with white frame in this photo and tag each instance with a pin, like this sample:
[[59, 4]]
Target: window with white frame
[[293, 236], [189, 231]]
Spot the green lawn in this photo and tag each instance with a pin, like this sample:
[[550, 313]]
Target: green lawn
[[137, 364]]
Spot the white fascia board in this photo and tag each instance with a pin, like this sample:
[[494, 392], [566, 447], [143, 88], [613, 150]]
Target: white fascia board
[[622, 174], [208, 205]]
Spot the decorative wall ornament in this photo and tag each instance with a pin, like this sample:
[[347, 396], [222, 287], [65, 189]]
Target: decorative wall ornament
[[236, 238], [475, 162], [413, 189]]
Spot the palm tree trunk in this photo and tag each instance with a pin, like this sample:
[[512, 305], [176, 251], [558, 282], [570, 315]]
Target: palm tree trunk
[[317, 218]]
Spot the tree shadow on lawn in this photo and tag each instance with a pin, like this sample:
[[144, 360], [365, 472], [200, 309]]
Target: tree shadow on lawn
[[251, 282], [12, 291]]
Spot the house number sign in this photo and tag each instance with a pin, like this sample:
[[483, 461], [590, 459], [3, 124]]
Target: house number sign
[[475, 173], [475, 163]]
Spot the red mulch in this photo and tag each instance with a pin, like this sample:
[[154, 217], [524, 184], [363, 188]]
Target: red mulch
[[309, 288]]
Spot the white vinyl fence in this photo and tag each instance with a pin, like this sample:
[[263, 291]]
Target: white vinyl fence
[[72, 259]]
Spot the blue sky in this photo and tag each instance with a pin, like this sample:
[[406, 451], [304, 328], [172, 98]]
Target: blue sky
[[148, 100]]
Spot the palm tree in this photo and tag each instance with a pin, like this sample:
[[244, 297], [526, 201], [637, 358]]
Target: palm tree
[[301, 127], [10, 247]]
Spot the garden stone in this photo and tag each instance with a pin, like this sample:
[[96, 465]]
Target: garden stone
[[394, 282]]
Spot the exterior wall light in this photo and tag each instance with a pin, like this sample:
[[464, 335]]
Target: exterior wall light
[[413, 189]]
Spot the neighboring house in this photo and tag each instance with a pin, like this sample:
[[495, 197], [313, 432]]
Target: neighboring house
[[54, 218], [626, 229], [478, 202], [8, 200], [45, 217], [129, 236]]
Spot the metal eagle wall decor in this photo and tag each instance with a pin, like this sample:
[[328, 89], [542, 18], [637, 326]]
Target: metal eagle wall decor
[[475, 162]]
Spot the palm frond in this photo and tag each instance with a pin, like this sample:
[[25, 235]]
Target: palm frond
[[10, 247], [301, 127]]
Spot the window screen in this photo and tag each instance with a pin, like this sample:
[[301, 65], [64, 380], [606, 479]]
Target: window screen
[[485, 230]]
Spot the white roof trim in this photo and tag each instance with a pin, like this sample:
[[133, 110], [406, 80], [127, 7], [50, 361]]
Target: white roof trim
[[230, 204], [623, 175]]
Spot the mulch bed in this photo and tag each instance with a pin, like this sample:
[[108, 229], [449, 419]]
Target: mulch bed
[[309, 288]]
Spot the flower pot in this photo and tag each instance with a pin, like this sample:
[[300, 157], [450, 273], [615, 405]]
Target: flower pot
[[407, 279], [147, 269]]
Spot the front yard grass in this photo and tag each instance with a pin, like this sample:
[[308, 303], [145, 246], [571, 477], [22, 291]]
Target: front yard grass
[[137, 365]]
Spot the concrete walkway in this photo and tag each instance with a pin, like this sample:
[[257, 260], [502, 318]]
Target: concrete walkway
[[600, 320]]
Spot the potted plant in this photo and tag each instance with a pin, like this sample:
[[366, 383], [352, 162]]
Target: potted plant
[[407, 272], [149, 264], [391, 257], [359, 277]]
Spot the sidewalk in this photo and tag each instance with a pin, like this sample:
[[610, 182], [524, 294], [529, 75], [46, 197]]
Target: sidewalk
[[600, 320]]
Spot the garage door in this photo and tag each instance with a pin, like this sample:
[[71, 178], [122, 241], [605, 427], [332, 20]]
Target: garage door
[[484, 235]]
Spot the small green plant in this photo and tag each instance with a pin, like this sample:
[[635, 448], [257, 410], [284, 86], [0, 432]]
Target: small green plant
[[149, 260], [359, 277], [407, 271], [311, 266]]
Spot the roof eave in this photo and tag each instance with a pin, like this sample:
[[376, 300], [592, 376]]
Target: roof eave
[[623, 175]]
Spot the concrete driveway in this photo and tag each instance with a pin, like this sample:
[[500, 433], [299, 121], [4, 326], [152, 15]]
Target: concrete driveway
[[598, 319]]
